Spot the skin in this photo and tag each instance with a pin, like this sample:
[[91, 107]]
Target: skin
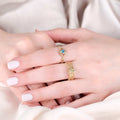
[[96, 61], [15, 45]]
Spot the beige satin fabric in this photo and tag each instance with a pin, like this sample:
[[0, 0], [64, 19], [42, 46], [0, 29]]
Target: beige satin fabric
[[20, 16]]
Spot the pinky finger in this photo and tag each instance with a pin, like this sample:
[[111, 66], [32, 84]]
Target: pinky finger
[[88, 99]]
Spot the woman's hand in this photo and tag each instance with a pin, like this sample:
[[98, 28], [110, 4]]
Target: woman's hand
[[96, 61], [14, 45]]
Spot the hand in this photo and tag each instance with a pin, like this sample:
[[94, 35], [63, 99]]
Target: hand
[[95, 59], [14, 45]]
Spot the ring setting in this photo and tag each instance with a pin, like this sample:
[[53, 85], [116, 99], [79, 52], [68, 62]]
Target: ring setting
[[62, 53], [71, 71]]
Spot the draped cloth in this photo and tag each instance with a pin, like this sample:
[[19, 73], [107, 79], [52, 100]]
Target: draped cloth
[[21, 16]]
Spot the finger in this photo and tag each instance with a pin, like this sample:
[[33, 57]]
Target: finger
[[32, 104], [69, 35], [33, 41], [42, 58], [48, 103], [45, 42], [14, 53], [44, 74], [63, 35], [89, 99], [20, 90], [29, 45], [33, 87], [64, 100], [17, 91], [51, 102], [58, 90]]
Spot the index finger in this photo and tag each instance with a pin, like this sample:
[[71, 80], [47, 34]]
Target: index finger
[[42, 58]]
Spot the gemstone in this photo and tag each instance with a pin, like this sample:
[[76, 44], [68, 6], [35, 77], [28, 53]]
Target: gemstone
[[62, 51]]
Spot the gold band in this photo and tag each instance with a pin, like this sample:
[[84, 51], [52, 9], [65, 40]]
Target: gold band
[[71, 71], [62, 53]]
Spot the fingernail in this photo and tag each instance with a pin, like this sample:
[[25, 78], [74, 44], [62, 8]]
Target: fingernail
[[12, 81], [13, 64], [27, 97]]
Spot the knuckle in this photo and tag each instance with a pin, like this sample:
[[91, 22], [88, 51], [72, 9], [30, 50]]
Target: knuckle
[[25, 42]]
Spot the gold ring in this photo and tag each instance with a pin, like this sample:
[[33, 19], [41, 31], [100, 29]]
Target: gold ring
[[62, 53], [71, 71]]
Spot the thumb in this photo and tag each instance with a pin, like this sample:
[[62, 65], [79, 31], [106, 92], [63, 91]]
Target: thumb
[[68, 35]]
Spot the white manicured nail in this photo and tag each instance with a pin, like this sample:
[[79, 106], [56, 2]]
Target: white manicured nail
[[27, 97], [12, 81], [13, 64]]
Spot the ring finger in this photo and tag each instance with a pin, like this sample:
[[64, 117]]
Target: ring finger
[[44, 74]]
